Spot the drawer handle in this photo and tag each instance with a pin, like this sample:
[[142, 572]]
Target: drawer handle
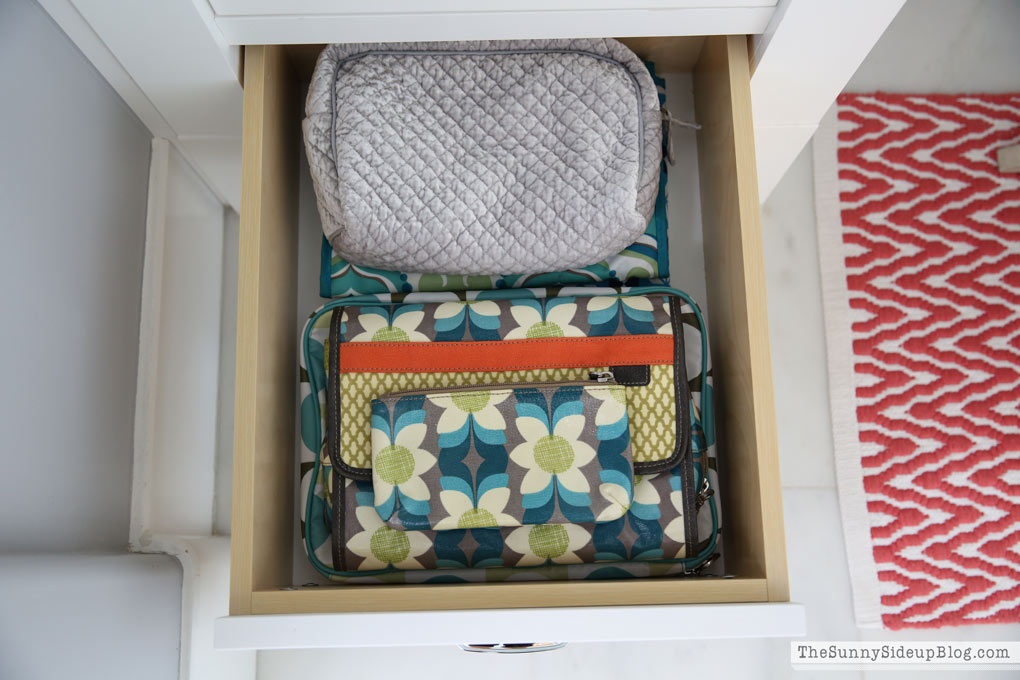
[[514, 647]]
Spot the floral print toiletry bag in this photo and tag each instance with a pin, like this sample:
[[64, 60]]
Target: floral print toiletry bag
[[553, 433]]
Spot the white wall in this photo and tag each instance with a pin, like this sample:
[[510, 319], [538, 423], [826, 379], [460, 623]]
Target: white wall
[[181, 482], [225, 407], [74, 166], [73, 174], [89, 616]]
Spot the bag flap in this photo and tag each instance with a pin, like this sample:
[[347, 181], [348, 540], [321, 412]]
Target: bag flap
[[378, 349]]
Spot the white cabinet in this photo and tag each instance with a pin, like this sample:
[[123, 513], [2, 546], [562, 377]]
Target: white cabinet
[[178, 64]]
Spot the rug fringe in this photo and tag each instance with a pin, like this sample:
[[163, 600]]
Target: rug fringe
[[839, 350]]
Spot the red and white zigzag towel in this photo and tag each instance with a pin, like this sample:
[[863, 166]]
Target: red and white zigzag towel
[[919, 240]]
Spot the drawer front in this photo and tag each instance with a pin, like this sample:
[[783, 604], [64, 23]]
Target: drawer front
[[512, 626]]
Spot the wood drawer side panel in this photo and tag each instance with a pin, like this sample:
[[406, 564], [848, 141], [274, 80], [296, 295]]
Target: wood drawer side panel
[[742, 367], [264, 405]]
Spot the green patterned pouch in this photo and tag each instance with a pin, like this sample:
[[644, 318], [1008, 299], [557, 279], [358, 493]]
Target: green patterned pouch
[[491, 456]]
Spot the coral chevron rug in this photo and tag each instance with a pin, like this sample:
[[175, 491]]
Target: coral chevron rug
[[919, 239]]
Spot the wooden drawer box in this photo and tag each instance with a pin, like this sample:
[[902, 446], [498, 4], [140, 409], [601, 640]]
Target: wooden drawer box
[[262, 543]]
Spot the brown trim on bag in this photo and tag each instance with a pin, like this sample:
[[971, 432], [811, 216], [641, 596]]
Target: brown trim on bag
[[681, 398], [632, 376], [689, 492], [339, 495], [333, 403]]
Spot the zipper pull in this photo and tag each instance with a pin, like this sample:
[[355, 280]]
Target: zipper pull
[[704, 494], [601, 376], [699, 570]]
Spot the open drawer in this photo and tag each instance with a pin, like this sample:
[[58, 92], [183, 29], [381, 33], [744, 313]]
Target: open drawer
[[263, 580]]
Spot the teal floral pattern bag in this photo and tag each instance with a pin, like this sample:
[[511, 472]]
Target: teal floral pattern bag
[[505, 482]]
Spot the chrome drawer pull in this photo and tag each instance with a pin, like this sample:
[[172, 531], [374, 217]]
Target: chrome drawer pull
[[514, 647]]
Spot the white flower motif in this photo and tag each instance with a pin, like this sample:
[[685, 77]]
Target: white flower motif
[[666, 328], [449, 310], [675, 529], [377, 328], [613, 407], [558, 453], [645, 492], [399, 464], [638, 303], [477, 404], [464, 515], [619, 502], [645, 505], [601, 302], [557, 543], [382, 546], [556, 323]]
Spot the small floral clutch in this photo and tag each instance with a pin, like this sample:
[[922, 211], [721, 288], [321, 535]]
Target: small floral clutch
[[503, 456]]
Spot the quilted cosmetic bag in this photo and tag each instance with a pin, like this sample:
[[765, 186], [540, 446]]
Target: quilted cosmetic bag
[[558, 434], [646, 261], [517, 157]]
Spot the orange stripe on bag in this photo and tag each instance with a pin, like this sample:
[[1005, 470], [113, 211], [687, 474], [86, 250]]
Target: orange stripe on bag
[[505, 355]]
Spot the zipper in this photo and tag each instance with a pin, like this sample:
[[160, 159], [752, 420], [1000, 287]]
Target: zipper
[[704, 494], [598, 377]]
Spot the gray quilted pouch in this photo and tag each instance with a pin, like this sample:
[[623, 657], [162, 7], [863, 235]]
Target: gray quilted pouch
[[492, 157]]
